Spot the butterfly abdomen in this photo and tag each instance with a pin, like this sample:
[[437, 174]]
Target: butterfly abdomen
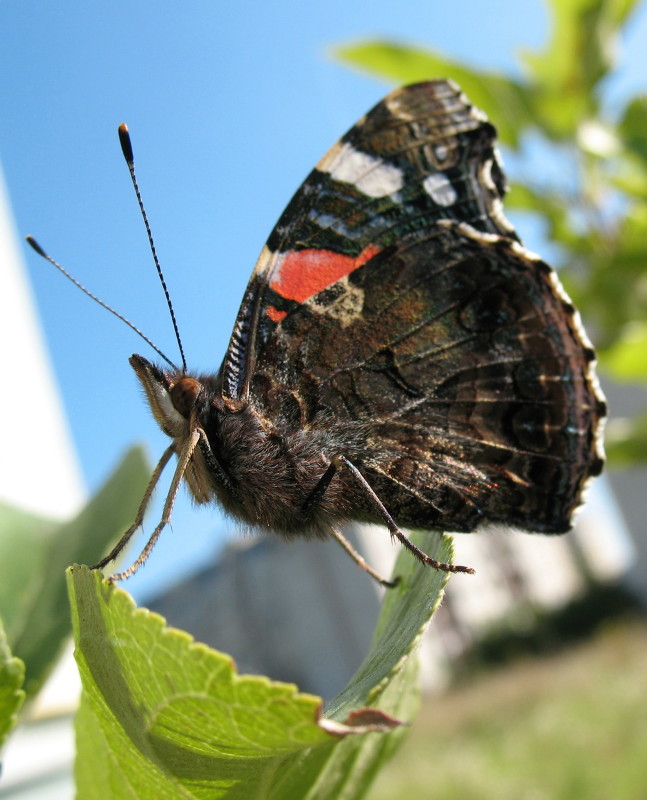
[[274, 470]]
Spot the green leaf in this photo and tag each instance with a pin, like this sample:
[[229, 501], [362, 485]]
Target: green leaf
[[404, 616], [34, 553], [581, 51], [344, 770], [12, 677], [619, 11], [504, 100], [626, 360], [164, 717]]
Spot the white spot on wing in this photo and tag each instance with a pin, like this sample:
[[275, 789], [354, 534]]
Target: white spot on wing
[[371, 175], [440, 189], [441, 152]]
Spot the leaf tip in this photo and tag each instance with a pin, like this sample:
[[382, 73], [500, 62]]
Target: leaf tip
[[361, 721]]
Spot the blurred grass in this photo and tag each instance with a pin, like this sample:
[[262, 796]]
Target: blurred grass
[[571, 726]]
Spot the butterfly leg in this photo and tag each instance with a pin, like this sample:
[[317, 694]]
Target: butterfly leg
[[357, 558], [182, 464], [139, 517], [317, 493], [340, 461]]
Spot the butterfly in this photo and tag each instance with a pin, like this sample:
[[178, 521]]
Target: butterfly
[[398, 357]]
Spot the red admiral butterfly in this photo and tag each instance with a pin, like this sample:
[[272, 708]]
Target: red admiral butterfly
[[398, 356]]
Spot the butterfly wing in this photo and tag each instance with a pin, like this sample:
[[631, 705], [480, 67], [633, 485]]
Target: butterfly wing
[[422, 154], [394, 295]]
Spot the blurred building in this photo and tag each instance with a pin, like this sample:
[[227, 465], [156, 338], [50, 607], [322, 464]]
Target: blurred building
[[630, 485]]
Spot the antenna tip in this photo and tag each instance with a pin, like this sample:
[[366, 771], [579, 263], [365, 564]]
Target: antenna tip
[[34, 244], [126, 146]]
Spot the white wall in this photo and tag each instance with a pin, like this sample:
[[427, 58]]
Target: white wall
[[38, 468]]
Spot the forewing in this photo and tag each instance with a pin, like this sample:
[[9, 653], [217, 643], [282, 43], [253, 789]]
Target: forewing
[[422, 154]]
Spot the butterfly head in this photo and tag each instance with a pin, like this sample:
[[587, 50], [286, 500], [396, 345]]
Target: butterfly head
[[172, 396], [190, 411]]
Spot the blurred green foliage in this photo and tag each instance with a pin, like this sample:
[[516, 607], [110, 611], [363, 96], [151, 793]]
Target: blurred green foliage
[[34, 552], [595, 203], [570, 726]]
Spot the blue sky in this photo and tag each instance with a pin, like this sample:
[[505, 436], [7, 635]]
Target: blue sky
[[229, 106]]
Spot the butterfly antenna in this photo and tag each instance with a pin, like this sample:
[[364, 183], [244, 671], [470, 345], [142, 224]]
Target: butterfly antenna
[[127, 150], [43, 254]]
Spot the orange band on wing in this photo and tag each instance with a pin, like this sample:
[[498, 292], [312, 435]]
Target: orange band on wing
[[303, 273]]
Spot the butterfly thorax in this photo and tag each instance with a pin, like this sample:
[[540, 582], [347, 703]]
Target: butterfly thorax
[[261, 470]]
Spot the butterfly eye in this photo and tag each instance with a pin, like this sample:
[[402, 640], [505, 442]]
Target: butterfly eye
[[184, 394]]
